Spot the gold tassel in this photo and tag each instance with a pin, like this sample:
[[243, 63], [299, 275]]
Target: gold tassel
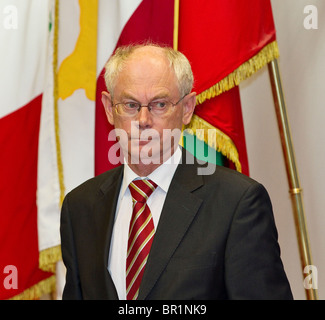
[[248, 68]]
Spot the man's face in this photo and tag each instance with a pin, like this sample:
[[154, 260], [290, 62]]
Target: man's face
[[147, 77]]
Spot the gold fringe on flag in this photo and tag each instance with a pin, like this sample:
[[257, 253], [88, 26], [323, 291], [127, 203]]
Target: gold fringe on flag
[[49, 257], [215, 139], [248, 68], [220, 141], [35, 292]]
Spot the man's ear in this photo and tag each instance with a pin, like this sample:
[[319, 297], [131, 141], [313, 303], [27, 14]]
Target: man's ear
[[107, 102], [188, 107]]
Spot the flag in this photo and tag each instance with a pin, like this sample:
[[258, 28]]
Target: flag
[[68, 123], [66, 159], [25, 43], [53, 72], [226, 42]]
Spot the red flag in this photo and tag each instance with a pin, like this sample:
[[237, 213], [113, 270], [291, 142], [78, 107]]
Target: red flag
[[18, 170], [226, 42]]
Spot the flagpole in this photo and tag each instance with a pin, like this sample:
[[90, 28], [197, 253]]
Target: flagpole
[[176, 20], [292, 173]]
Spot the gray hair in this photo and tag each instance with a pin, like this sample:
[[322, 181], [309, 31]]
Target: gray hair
[[177, 61]]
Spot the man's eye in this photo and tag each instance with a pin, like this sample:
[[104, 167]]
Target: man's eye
[[132, 105], [159, 104]]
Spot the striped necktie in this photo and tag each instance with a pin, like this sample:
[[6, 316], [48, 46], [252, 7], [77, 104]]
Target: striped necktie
[[141, 233]]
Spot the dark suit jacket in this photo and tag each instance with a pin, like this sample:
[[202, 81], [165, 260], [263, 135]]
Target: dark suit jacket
[[216, 239]]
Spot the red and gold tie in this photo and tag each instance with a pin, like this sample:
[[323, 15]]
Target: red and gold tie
[[141, 233]]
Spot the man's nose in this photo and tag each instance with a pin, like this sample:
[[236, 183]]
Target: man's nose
[[144, 117]]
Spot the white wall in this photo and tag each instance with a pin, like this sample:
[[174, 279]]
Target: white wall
[[302, 65]]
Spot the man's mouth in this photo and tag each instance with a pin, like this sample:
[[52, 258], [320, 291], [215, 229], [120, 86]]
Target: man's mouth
[[143, 139]]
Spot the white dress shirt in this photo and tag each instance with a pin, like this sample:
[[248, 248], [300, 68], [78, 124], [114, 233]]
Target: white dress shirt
[[162, 176]]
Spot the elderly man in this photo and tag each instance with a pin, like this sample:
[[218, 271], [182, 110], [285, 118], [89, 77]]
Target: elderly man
[[154, 228]]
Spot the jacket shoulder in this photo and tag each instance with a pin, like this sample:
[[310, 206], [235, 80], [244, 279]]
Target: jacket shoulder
[[208, 173], [230, 177], [98, 184]]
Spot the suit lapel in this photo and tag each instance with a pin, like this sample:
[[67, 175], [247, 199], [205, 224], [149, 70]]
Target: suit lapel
[[175, 219]]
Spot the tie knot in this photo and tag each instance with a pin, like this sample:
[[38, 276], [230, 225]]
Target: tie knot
[[142, 189]]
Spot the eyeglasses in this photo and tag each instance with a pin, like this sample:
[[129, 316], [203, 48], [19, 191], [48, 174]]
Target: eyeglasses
[[159, 108]]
